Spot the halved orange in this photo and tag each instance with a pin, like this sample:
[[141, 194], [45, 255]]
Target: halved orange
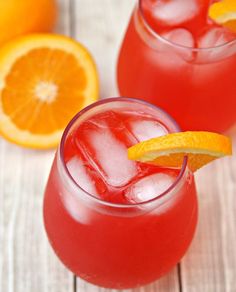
[[170, 150], [45, 79], [224, 13], [26, 16]]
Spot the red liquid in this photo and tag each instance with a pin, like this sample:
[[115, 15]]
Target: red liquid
[[111, 246], [196, 87]]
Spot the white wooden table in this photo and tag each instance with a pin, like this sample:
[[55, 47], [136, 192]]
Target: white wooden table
[[27, 262]]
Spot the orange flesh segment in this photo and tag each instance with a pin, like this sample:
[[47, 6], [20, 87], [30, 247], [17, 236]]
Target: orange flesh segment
[[170, 150], [224, 13], [41, 66]]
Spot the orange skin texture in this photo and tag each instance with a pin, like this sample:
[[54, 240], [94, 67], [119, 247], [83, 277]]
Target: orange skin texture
[[18, 17]]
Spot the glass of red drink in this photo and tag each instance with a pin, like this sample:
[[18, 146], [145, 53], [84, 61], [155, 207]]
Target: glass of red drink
[[174, 56], [114, 222]]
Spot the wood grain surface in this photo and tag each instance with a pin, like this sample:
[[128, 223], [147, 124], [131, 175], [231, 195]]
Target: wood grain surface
[[27, 262]]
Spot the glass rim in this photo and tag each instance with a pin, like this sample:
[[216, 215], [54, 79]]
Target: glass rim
[[158, 36], [93, 197]]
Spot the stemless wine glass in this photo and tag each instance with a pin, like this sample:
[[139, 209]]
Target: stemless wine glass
[[119, 224], [196, 86]]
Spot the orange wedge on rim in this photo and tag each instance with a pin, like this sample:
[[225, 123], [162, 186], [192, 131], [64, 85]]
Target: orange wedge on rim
[[170, 150], [224, 13], [45, 80]]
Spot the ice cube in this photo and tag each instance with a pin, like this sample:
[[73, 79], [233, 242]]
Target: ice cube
[[214, 40], [178, 56], [215, 37], [80, 175], [75, 202], [110, 157], [175, 58], [149, 187], [180, 36], [147, 129], [77, 207], [175, 12]]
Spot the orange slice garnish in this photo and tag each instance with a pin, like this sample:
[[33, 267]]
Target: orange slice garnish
[[224, 13], [170, 150], [45, 80]]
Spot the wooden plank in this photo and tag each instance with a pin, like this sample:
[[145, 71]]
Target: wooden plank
[[2, 227], [210, 264], [169, 283], [100, 27], [27, 262], [64, 21]]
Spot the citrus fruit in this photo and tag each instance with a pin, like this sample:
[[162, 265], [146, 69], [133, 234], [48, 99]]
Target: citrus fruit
[[19, 17], [45, 79], [170, 150], [224, 12]]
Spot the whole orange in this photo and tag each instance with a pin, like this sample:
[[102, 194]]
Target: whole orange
[[18, 17]]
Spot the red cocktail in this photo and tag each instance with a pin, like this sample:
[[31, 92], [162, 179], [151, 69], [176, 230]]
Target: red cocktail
[[174, 56], [112, 221]]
